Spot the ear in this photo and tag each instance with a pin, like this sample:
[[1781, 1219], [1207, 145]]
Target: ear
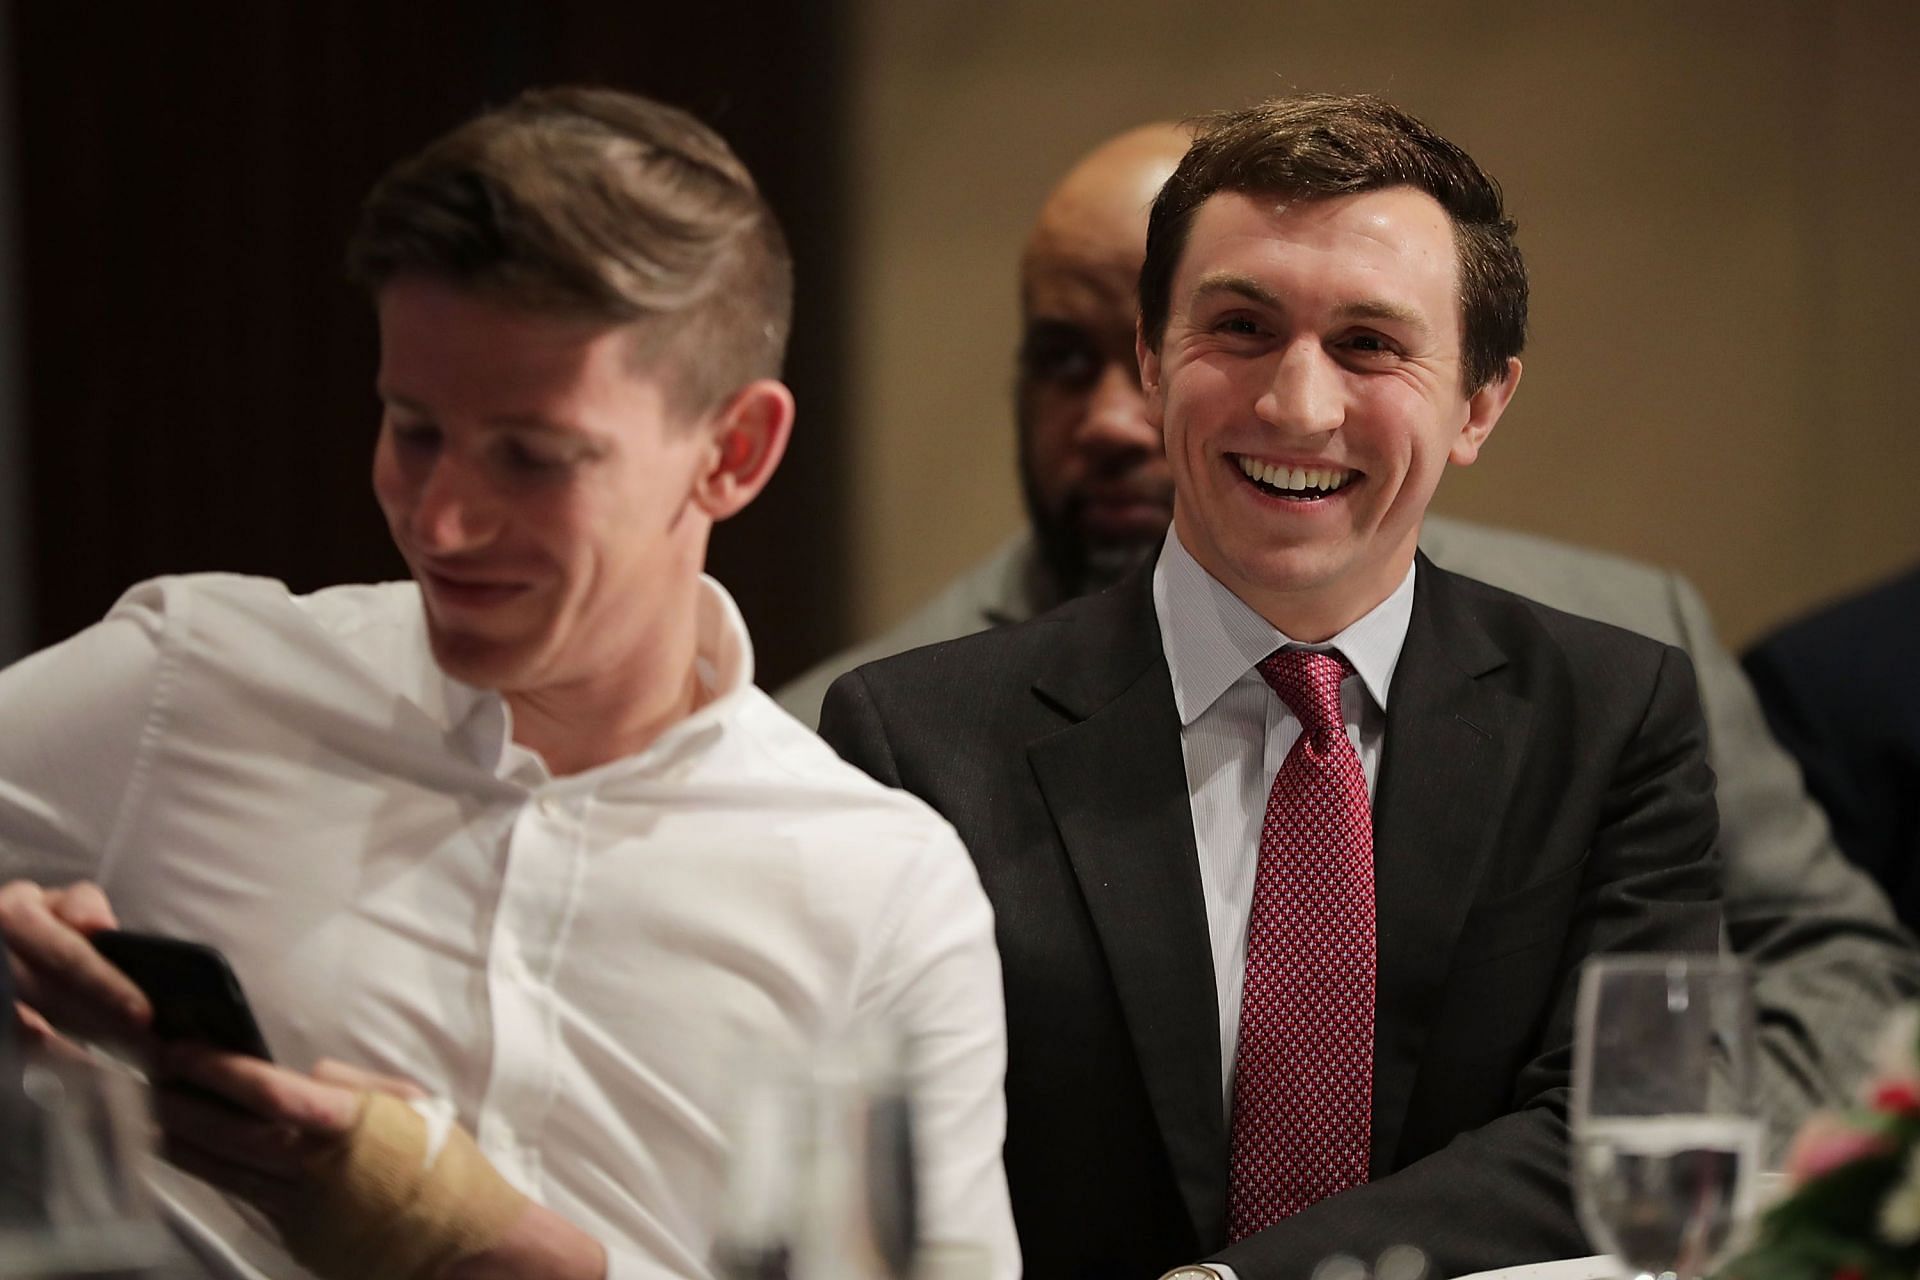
[[1149, 361], [749, 435], [1484, 408]]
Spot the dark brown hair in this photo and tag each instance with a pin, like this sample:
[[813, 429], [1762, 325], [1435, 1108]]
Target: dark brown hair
[[1319, 146], [602, 205]]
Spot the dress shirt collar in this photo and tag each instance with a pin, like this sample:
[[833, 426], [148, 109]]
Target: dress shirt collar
[[723, 663], [1219, 637]]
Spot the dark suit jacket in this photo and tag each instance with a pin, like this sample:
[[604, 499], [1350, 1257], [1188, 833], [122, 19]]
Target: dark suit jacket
[[1842, 692], [1543, 795]]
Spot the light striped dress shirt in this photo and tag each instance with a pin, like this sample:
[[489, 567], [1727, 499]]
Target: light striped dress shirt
[[1235, 732]]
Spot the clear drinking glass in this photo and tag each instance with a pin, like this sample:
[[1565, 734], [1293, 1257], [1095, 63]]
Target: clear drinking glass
[[821, 1183], [1666, 1143], [75, 1144]]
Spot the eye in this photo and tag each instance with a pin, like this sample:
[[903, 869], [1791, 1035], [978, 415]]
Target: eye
[[414, 437], [1059, 354], [1369, 347], [526, 459]]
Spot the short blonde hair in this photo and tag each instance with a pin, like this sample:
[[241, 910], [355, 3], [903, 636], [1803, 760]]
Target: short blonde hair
[[603, 205]]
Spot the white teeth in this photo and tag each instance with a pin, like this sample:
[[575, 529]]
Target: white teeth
[[1296, 479]]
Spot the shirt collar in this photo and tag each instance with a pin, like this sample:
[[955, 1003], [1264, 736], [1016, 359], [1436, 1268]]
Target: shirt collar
[[1219, 638], [722, 662]]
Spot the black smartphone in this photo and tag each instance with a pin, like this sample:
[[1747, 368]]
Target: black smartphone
[[193, 989]]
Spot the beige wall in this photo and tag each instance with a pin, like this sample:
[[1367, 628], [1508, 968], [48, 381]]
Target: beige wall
[[1718, 202]]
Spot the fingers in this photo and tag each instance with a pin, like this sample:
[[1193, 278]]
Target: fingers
[[360, 1080], [36, 1031], [272, 1195], [201, 1124], [270, 1093], [58, 971], [83, 905]]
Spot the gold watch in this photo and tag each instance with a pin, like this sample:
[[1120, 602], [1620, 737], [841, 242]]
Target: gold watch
[[1192, 1271]]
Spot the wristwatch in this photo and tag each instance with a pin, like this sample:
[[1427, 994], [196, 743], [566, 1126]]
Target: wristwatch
[[1192, 1271]]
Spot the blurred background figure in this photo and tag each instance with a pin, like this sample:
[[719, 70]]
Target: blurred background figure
[[1096, 484], [1841, 690], [1832, 961]]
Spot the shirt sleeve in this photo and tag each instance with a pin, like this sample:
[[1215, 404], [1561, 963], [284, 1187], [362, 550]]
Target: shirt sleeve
[[622, 1265], [77, 716], [937, 981]]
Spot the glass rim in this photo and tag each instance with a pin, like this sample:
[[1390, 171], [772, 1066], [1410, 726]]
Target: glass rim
[[1663, 961]]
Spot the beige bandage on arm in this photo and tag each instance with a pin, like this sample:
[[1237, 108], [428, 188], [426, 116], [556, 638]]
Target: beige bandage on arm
[[381, 1211]]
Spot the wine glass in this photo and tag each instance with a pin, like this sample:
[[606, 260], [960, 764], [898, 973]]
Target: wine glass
[[821, 1178], [75, 1145], [1666, 1140]]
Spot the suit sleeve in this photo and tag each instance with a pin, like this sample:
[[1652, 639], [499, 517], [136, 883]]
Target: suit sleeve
[[1831, 963], [1501, 1193]]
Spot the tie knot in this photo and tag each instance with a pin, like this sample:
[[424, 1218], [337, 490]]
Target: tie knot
[[1308, 681]]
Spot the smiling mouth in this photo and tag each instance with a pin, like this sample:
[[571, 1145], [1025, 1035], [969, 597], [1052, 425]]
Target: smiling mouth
[[1295, 484], [469, 591]]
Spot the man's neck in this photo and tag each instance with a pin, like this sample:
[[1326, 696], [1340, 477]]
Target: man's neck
[[582, 724]]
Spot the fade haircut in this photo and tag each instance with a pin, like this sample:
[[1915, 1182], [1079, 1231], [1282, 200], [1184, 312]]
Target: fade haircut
[[603, 206], [1318, 146]]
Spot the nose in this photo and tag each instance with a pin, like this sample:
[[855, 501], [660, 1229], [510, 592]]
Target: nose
[[1116, 418], [1305, 394], [453, 510]]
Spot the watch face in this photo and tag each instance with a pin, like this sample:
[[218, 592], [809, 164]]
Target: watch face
[[1194, 1272]]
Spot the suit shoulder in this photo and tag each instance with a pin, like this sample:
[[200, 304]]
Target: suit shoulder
[[1523, 624], [1596, 584], [966, 665], [1882, 615]]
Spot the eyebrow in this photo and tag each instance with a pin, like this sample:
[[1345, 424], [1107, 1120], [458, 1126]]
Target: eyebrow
[[504, 422], [1232, 282], [1239, 285]]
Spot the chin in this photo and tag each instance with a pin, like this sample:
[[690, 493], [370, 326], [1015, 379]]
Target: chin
[[477, 661]]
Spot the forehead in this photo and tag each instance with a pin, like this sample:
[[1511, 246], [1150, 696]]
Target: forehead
[[446, 345], [1089, 278], [1395, 245]]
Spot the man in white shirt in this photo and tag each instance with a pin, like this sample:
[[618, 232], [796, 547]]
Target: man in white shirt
[[1296, 840], [519, 834]]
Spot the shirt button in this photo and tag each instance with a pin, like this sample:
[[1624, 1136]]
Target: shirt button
[[551, 807]]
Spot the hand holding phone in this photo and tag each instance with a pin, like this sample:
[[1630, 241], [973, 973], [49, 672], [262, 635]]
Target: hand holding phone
[[194, 991]]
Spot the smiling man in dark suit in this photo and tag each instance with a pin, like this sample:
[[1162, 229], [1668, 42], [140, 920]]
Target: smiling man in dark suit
[[1297, 842]]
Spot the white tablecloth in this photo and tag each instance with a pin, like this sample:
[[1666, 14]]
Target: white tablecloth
[[1598, 1267]]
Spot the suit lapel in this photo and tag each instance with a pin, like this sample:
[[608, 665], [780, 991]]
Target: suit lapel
[[1115, 784], [1453, 741]]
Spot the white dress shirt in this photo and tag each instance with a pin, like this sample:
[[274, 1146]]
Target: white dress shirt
[[586, 966], [1235, 733]]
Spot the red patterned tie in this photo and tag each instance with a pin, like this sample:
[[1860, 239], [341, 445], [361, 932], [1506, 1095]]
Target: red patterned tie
[[1303, 1073]]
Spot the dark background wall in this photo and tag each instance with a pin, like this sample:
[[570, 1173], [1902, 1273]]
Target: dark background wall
[[196, 387]]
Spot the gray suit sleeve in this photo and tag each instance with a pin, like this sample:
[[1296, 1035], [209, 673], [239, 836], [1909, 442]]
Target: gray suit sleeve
[[1830, 960]]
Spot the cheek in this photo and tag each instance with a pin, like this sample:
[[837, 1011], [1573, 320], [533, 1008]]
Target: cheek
[[1051, 419], [389, 483]]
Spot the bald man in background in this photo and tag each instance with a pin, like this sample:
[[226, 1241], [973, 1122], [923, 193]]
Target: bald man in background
[[1830, 959]]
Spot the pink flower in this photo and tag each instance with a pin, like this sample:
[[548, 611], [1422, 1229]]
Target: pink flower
[[1825, 1142]]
